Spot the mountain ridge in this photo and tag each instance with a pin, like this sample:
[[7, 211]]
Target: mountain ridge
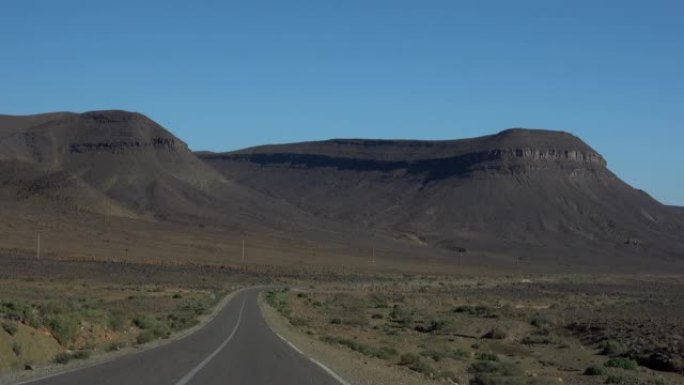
[[530, 186], [538, 193]]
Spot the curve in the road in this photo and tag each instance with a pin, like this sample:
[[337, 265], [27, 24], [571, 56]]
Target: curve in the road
[[236, 348]]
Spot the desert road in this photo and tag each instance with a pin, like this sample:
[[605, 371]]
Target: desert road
[[235, 348]]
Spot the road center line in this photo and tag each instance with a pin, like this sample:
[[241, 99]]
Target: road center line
[[186, 379]]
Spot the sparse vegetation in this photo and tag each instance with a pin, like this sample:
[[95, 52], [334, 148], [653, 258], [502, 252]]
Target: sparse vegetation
[[487, 357], [540, 338], [489, 332], [616, 379], [65, 357], [63, 326], [612, 348], [498, 368], [16, 348], [595, 370], [415, 363], [381, 352], [622, 363], [10, 327], [101, 313], [495, 334], [484, 379]]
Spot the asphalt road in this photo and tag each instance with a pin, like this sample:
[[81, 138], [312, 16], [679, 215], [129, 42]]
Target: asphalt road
[[236, 348]]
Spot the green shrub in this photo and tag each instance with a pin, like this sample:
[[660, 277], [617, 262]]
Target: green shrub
[[539, 322], [485, 379], [401, 316], [498, 368], [435, 355], [612, 348], [151, 329], [496, 334], [62, 358], [20, 312], [144, 321], [181, 320], [479, 311], [65, 357], [622, 363], [595, 370], [484, 367], [539, 339], [10, 327], [144, 337], [62, 326], [408, 359], [414, 363], [115, 346], [299, 321], [436, 327], [16, 348], [384, 352], [459, 354], [117, 320], [487, 357], [447, 375], [616, 379], [195, 307], [81, 355]]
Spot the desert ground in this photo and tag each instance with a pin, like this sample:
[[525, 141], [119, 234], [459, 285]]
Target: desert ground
[[509, 329]]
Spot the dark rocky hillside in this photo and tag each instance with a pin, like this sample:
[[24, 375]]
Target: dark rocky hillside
[[123, 164], [542, 198], [540, 193]]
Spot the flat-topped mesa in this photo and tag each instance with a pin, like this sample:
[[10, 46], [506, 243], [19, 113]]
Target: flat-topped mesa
[[119, 131], [544, 145], [510, 151]]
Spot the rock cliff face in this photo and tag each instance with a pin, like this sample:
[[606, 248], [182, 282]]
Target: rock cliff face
[[511, 151], [545, 192]]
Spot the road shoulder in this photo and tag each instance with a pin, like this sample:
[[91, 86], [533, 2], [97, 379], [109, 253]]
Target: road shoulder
[[22, 377], [352, 367]]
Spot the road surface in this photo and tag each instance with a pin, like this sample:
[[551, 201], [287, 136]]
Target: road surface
[[235, 348]]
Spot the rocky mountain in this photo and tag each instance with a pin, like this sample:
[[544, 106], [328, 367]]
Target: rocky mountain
[[541, 196], [531, 192], [123, 164]]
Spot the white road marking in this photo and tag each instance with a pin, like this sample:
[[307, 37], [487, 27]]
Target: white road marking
[[325, 368], [182, 335], [186, 379]]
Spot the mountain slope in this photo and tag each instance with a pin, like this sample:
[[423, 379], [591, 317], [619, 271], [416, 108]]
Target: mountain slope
[[123, 164], [536, 192], [541, 196]]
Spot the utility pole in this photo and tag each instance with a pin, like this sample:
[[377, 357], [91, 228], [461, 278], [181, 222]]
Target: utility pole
[[38, 247], [243, 250], [373, 255]]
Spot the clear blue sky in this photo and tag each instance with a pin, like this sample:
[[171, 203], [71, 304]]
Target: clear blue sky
[[229, 74]]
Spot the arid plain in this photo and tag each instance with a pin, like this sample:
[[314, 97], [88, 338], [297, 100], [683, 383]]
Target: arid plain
[[517, 258]]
